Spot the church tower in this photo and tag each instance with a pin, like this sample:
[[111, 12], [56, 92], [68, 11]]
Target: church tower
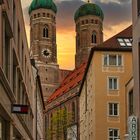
[[89, 30], [43, 43]]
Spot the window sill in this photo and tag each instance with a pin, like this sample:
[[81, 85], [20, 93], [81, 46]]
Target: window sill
[[113, 116], [113, 90], [46, 38], [113, 66]]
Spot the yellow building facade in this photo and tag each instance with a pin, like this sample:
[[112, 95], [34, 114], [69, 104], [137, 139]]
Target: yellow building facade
[[136, 58], [103, 98]]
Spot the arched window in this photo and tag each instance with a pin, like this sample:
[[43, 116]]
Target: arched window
[[73, 111], [45, 32], [78, 40], [94, 37]]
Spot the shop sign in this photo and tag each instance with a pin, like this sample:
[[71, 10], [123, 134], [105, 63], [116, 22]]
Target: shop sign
[[132, 127], [21, 109]]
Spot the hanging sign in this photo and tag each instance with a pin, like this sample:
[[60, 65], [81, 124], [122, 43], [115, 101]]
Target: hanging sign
[[132, 127], [21, 109]]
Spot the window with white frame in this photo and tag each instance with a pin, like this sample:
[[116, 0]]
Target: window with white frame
[[125, 42], [112, 60], [113, 109], [112, 83], [113, 134]]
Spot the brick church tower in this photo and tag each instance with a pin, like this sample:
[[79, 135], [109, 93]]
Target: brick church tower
[[43, 43], [89, 30]]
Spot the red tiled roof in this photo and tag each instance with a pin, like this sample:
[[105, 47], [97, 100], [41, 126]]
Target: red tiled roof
[[76, 75], [71, 81], [113, 42]]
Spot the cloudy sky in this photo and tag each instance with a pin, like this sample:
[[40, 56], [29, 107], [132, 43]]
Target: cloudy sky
[[117, 16]]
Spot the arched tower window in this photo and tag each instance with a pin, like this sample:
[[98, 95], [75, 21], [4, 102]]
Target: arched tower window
[[94, 37], [45, 32], [73, 112], [78, 41]]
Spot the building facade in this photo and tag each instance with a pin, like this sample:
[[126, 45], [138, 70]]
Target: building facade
[[39, 106], [43, 43], [136, 57], [103, 96], [16, 77], [65, 97]]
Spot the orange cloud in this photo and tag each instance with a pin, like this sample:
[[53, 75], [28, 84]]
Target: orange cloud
[[117, 17]]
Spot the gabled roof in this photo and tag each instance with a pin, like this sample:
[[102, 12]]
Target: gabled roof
[[70, 82]]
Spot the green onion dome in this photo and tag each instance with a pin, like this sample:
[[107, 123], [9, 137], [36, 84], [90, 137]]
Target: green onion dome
[[89, 9], [46, 4]]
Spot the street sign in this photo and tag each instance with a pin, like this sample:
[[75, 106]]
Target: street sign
[[132, 127], [21, 109]]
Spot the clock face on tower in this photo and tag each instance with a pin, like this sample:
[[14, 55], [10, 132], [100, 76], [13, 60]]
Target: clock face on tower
[[46, 53]]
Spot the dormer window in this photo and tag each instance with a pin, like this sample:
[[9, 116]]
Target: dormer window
[[45, 32], [125, 42], [94, 37]]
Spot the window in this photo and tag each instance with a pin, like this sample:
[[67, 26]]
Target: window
[[38, 14], [86, 102], [83, 22], [14, 76], [45, 32], [112, 83], [138, 4], [78, 40], [7, 34], [112, 60], [131, 104], [48, 15], [3, 131], [94, 37], [96, 21], [73, 111], [113, 133], [14, 17], [19, 37], [113, 109], [7, 55], [43, 14], [22, 56], [125, 42]]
